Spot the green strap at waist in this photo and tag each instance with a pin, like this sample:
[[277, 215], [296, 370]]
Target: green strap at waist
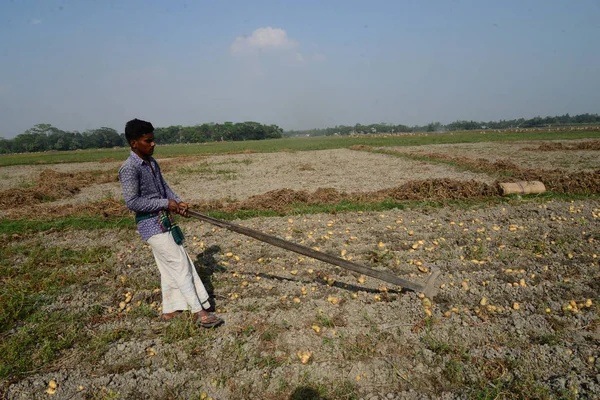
[[140, 216]]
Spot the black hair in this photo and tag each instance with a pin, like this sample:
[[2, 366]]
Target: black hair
[[136, 128]]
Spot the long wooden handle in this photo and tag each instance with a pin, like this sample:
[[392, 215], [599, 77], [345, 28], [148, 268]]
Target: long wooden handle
[[307, 251]]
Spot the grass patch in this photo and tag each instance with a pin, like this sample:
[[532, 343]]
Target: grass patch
[[39, 342], [551, 339], [32, 275], [325, 320], [76, 222], [181, 329], [511, 389], [97, 346]]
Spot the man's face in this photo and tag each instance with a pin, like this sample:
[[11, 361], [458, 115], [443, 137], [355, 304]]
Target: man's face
[[144, 146]]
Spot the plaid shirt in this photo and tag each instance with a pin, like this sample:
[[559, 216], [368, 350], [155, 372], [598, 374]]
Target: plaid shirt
[[145, 190]]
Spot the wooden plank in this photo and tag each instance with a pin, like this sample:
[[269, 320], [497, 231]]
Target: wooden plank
[[307, 251]]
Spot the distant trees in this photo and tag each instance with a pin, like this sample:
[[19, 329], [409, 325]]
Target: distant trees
[[212, 132], [344, 130], [461, 125], [45, 137]]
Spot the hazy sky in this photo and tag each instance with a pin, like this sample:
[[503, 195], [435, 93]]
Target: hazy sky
[[84, 64]]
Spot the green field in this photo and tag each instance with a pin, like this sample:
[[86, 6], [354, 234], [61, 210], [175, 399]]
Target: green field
[[294, 144]]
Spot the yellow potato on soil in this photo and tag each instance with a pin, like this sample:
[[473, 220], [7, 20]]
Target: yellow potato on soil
[[522, 283], [333, 300], [573, 303], [50, 391], [483, 301], [316, 328], [426, 302], [304, 356], [516, 306], [361, 279], [52, 384]]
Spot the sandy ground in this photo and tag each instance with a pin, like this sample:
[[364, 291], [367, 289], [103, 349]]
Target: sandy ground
[[516, 314]]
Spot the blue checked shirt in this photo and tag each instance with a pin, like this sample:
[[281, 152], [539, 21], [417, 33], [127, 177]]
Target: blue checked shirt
[[145, 190]]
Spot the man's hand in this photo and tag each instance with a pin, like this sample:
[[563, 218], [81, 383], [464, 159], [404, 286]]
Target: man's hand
[[182, 209], [173, 206]]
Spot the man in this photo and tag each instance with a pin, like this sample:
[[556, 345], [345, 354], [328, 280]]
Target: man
[[153, 201]]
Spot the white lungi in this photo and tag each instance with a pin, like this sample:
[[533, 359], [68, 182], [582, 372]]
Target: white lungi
[[181, 286]]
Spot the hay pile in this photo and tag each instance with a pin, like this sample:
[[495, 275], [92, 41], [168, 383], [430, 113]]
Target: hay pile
[[52, 185], [286, 199], [590, 145], [556, 180]]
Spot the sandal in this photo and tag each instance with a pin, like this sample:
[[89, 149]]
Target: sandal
[[208, 320], [171, 315]]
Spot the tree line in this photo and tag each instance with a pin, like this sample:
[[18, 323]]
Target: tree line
[[537, 122], [45, 137]]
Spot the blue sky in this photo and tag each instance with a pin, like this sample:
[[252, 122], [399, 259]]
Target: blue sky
[[85, 64]]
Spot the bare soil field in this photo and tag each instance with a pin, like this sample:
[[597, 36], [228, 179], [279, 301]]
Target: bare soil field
[[240, 176], [516, 315], [572, 155]]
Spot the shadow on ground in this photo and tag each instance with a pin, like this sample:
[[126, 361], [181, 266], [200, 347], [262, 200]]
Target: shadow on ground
[[206, 266]]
